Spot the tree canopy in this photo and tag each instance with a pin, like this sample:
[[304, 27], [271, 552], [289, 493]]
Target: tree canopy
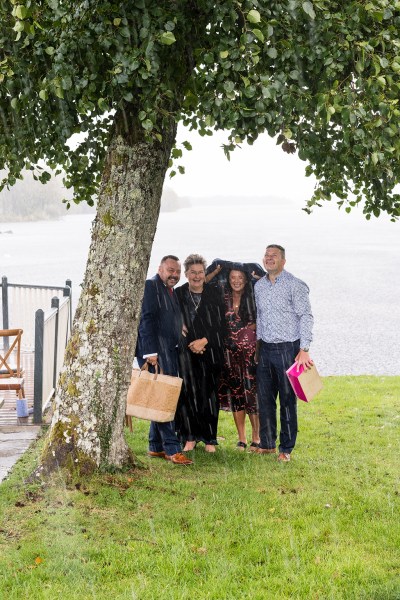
[[322, 76]]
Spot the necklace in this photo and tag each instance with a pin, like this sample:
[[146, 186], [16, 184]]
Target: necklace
[[236, 303], [195, 303]]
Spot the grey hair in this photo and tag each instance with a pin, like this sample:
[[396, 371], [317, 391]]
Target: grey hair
[[194, 259]]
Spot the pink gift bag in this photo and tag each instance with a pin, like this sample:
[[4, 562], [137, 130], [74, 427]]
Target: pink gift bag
[[306, 383]]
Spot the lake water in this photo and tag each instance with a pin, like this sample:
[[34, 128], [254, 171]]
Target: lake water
[[350, 264]]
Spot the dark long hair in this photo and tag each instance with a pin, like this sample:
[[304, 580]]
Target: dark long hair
[[247, 308]]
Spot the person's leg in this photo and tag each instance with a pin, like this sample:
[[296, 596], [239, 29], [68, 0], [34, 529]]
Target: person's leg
[[211, 419], [170, 442], [239, 417], [207, 405], [155, 441], [250, 404], [184, 429], [267, 393], [287, 398], [255, 428]]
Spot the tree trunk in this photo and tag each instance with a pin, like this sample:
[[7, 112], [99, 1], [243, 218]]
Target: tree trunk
[[89, 411]]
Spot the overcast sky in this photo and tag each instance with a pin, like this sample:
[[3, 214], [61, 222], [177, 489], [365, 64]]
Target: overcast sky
[[259, 170]]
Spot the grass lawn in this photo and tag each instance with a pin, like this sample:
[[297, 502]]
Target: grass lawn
[[233, 526]]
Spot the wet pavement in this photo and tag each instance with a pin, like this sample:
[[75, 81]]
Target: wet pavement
[[14, 441]]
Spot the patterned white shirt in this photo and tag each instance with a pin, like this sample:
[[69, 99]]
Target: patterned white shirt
[[283, 310]]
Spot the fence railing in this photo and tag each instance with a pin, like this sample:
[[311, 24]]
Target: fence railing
[[51, 335], [45, 332], [21, 301]]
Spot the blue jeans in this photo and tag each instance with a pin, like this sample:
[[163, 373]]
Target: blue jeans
[[274, 360], [162, 436]]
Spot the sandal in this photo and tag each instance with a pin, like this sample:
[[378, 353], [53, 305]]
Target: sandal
[[241, 445], [253, 447]]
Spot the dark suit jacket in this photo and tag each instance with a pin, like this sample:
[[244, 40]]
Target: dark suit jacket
[[160, 326]]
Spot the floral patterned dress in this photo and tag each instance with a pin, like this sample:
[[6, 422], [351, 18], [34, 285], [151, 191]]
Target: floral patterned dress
[[237, 390]]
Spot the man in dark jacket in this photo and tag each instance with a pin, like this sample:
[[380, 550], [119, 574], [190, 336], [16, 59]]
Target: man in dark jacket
[[159, 334]]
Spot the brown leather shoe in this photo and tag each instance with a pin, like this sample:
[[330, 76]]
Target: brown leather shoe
[[284, 457], [265, 451], [179, 459], [156, 454]]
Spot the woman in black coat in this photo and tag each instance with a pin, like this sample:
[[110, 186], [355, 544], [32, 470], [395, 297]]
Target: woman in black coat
[[201, 357]]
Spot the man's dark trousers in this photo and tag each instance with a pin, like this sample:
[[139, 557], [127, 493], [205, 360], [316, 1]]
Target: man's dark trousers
[[274, 360], [162, 436]]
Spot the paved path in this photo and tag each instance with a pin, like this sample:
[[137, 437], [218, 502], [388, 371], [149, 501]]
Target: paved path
[[14, 441]]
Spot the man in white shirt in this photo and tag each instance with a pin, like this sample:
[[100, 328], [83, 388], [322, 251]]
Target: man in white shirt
[[284, 331]]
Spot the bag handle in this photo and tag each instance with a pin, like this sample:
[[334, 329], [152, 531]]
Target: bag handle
[[157, 368]]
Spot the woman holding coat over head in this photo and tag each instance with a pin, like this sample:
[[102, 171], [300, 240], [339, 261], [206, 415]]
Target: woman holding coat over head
[[237, 391], [201, 357]]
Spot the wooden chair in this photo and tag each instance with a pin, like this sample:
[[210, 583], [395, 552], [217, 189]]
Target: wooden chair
[[11, 373]]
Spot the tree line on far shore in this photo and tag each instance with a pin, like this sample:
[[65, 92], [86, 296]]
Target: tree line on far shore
[[30, 200]]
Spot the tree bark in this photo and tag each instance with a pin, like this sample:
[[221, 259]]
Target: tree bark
[[87, 425]]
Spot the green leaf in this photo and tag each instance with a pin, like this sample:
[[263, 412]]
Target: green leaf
[[21, 12], [43, 94], [209, 120], [117, 21], [229, 86], [309, 9], [396, 64], [14, 103], [330, 110], [50, 50], [176, 153], [167, 38], [19, 26], [224, 54], [181, 169], [259, 34], [187, 145], [272, 52], [266, 92], [66, 83], [253, 16], [102, 104], [147, 124]]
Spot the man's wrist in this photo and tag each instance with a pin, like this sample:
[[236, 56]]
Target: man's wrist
[[305, 349]]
